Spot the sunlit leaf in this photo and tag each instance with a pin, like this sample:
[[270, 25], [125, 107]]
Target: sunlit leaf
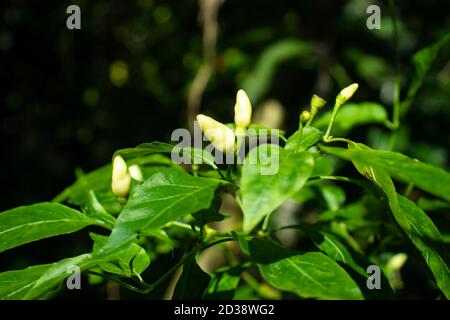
[[38, 221], [164, 197], [417, 226], [424, 176], [309, 137], [308, 274], [270, 176]]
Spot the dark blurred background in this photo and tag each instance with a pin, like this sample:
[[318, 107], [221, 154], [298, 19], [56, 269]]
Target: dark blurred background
[[70, 98]]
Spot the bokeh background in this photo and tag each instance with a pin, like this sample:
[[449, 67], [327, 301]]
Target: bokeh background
[[139, 69]]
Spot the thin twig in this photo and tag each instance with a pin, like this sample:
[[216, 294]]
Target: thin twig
[[208, 16]]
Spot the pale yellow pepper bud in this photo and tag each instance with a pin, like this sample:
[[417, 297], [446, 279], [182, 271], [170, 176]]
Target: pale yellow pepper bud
[[121, 179], [221, 137], [305, 116], [242, 110], [317, 102], [397, 261], [346, 93], [135, 172]]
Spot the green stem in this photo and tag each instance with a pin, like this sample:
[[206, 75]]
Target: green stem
[[408, 190], [116, 279], [181, 225], [361, 183], [300, 131], [221, 175], [330, 124], [157, 283], [393, 139], [147, 287], [337, 139], [282, 138], [229, 171], [195, 170], [216, 242], [266, 222], [313, 114], [396, 101], [240, 140]]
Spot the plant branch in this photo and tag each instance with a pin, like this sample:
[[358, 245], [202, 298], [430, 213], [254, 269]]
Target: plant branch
[[336, 108], [208, 16]]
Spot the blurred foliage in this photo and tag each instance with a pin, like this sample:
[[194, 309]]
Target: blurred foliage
[[69, 99]]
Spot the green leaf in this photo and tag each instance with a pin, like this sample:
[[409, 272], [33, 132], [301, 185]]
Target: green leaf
[[37, 281], [195, 156], [415, 224], [310, 274], [357, 215], [166, 196], [43, 220], [15, 284], [246, 292], [188, 154], [422, 232], [161, 235], [140, 262], [337, 251], [358, 264], [98, 180], [243, 241], [270, 176], [259, 130], [353, 114], [56, 273], [112, 268], [129, 261], [258, 81], [144, 149], [372, 68], [209, 215], [333, 195], [422, 62], [304, 195], [93, 208], [193, 281], [432, 204], [309, 137], [323, 166], [223, 285], [424, 176]]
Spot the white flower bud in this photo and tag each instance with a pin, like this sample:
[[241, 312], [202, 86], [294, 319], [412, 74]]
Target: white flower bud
[[121, 180], [397, 261], [135, 172], [242, 110], [346, 93], [221, 137]]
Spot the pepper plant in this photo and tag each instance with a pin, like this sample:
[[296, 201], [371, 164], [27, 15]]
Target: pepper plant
[[143, 206]]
